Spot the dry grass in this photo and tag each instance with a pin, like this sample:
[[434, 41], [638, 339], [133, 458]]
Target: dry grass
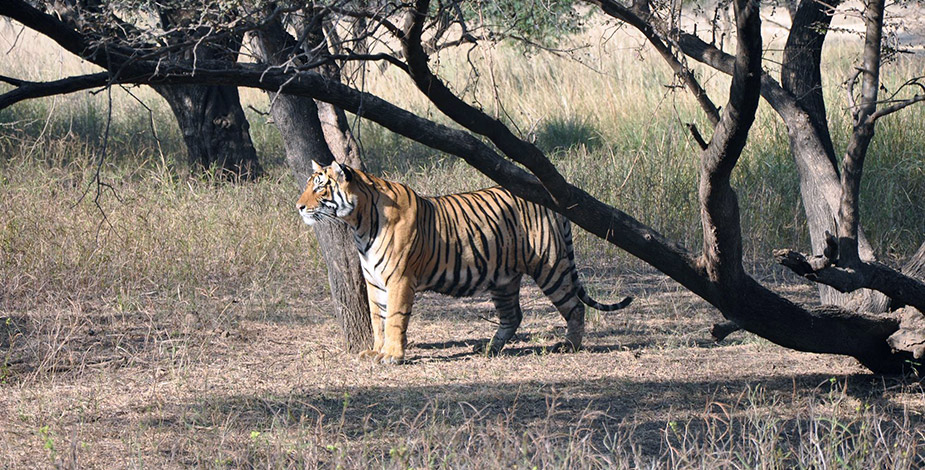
[[184, 322]]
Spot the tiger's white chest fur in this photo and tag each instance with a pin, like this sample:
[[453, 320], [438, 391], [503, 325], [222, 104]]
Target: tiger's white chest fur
[[372, 275]]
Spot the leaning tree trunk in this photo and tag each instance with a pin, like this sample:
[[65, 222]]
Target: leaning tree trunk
[[214, 128], [811, 143], [297, 118]]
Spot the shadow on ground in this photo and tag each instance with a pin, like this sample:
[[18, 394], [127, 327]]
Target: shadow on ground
[[604, 405]]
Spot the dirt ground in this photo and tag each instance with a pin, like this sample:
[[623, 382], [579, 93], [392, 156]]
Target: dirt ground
[[95, 387]]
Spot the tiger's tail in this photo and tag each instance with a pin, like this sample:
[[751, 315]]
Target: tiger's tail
[[582, 294], [599, 306]]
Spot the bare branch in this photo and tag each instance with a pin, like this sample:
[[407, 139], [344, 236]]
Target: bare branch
[[28, 90], [869, 275], [471, 118], [366, 58], [853, 161], [379, 16], [14, 81], [897, 106], [697, 137], [622, 13]]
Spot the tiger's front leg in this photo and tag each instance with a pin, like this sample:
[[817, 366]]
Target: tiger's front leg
[[377, 311], [398, 311]]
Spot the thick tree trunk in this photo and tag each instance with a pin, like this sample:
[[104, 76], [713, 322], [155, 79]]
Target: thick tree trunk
[[297, 118], [210, 117], [811, 142], [214, 128]]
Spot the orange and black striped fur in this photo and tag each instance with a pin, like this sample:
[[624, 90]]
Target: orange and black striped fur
[[459, 244]]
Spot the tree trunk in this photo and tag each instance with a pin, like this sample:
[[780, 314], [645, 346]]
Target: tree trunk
[[214, 128], [211, 119], [820, 185], [298, 123], [811, 142], [297, 118]]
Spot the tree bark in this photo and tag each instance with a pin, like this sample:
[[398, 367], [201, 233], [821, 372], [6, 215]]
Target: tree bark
[[801, 76], [801, 71], [297, 118], [214, 128]]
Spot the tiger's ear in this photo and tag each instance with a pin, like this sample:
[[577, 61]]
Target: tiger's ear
[[316, 167], [341, 172]]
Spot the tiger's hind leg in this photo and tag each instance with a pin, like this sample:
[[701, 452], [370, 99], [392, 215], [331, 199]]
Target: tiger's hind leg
[[507, 303], [563, 293], [575, 328]]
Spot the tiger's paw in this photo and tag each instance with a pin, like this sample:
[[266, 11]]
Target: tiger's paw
[[389, 359], [487, 348], [565, 347], [369, 354]]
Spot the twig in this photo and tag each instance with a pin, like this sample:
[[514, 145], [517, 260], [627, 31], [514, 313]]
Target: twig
[[697, 137], [157, 139], [262, 113], [896, 107]]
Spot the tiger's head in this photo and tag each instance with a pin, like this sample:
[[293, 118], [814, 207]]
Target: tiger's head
[[328, 194]]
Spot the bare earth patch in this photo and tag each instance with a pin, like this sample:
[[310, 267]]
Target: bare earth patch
[[159, 387]]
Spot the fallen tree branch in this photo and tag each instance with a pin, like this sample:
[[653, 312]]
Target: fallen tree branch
[[911, 333], [870, 275]]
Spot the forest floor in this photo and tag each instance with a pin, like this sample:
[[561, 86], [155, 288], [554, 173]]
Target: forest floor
[[141, 388]]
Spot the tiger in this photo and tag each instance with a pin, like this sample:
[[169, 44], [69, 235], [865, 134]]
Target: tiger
[[457, 244]]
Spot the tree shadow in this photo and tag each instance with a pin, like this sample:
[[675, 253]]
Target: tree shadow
[[603, 405]]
